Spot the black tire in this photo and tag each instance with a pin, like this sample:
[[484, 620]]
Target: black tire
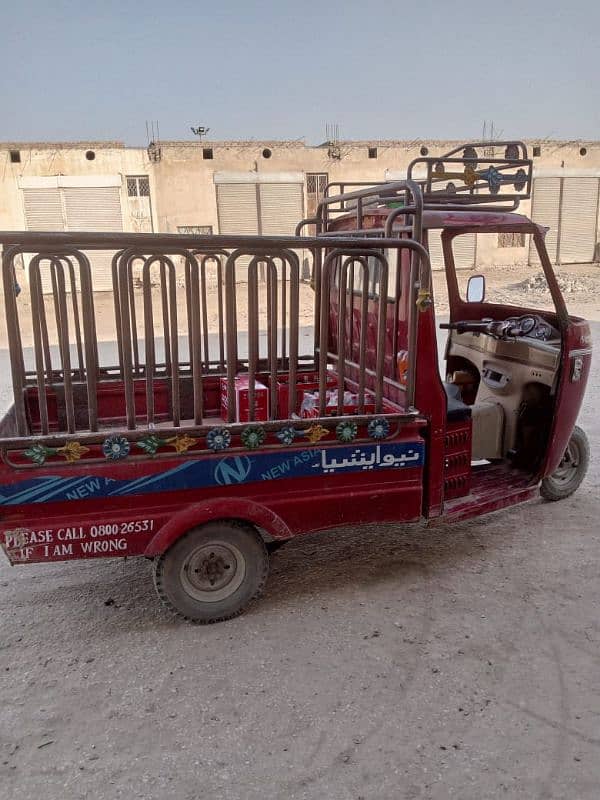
[[572, 469], [212, 573]]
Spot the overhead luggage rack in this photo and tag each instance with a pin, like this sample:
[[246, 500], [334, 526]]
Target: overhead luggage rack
[[467, 176], [472, 174]]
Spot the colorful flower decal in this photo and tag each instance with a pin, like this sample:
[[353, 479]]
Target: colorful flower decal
[[218, 439], [378, 428], [150, 444], [182, 443], [38, 453], [72, 451], [116, 448], [288, 434], [253, 436], [315, 433], [346, 431]]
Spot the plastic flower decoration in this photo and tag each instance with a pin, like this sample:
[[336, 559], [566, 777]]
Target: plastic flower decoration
[[115, 448], [346, 431], [287, 435], [315, 433], [38, 453], [72, 451], [253, 436], [183, 443], [378, 428], [150, 444], [218, 439]]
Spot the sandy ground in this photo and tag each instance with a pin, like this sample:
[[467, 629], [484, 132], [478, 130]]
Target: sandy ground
[[390, 663]]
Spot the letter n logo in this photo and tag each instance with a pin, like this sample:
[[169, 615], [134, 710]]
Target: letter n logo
[[232, 470]]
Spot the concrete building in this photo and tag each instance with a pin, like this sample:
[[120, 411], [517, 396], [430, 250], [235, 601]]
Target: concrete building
[[267, 187], [82, 186]]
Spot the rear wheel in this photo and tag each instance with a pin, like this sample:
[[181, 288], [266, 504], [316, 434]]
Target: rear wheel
[[572, 469], [213, 572]]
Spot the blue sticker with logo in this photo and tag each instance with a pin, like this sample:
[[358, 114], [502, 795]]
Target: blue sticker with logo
[[226, 471]]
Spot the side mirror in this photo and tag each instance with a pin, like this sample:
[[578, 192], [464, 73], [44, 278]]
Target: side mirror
[[476, 289]]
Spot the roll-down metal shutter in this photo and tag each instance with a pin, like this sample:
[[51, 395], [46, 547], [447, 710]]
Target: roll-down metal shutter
[[271, 209], [43, 212], [464, 248], [280, 208], [236, 204], [95, 209], [545, 210], [578, 220], [43, 209], [238, 213], [68, 208]]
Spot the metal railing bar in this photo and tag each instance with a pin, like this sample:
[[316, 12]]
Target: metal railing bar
[[76, 318], [35, 287], [62, 325]]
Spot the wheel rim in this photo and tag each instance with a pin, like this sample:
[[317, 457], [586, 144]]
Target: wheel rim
[[568, 468], [213, 571]]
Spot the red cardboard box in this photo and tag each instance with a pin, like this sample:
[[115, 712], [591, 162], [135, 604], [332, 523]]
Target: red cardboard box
[[307, 382], [242, 408]]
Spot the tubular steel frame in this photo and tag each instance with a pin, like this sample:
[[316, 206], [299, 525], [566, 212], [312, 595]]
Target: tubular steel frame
[[62, 255], [471, 186], [65, 255]]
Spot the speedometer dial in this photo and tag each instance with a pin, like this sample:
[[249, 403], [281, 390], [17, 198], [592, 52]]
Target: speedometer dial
[[527, 325]]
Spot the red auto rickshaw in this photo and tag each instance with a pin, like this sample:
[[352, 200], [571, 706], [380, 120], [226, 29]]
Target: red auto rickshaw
[[210, 432]]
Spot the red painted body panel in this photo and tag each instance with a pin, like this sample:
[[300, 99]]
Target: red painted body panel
[[146, 524], [576, 345], [494, 488]]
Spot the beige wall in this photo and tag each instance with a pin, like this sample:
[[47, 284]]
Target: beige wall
[[185, 180], [47, 160], [182, 181]]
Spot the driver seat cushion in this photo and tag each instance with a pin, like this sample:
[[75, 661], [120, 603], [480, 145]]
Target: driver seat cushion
[[456, 410]]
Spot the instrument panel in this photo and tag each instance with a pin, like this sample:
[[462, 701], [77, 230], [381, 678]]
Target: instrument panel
[[535, 327], [531, 350]]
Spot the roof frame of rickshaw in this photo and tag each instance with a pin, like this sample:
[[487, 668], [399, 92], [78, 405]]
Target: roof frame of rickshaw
[[443, 187]]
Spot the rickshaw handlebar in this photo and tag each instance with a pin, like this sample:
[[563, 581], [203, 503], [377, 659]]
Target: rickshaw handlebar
[[498, 329]]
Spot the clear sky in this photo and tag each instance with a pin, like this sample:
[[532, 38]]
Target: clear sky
[[73, 69]]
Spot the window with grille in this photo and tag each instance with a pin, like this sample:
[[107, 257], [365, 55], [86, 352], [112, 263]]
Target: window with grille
[[138, 186], [511, 240], [195, 230], [316, 183]]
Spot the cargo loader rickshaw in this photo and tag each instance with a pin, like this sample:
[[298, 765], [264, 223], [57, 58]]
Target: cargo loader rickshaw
[[209, 433]]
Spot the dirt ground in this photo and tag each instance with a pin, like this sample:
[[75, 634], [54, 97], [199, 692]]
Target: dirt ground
[[390, 663]]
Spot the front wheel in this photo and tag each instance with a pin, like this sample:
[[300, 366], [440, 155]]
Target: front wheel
[[572, 469], [213, 572]]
